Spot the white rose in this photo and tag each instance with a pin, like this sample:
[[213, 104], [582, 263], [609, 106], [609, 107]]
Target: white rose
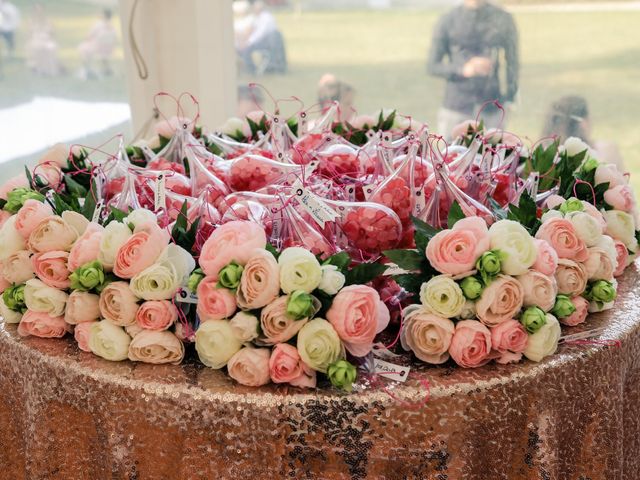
[[216, 343], [549, 214], [468, 311], [588, 229], [114, 236], [109, 341], [245, 326], [11, 241], [140, 216], [609, 173], [518, 247], [232, 126], [133, 330], [545, 341], [332, 280], [41, 298], [607, 244], [160, 281], [620, 226], [574, 146], [299, 270], [75, 220], [319, 344], [181, 260], [442, 296], [8, 315]]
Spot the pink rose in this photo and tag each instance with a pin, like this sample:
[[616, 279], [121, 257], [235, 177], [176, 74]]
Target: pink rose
[[141, 250], [82, 307], [233, 241], [87, 247], [156, 315], [4, 283], [580, 315], [609, 173], [260, 281], [599, 265], [620, 197], [51, 268], [571, 277], [277, 326], [13, 183], [155, 347], [509, 339], [562, 236], [455, 251], [57, 155], [250, 366], [471, 344], [214, 303], [42, 325], [50, 173], [547, 259], [357, 315], [81, 333], [461, 129], [500, 301], [427, 336], [539, 290], [622, 256], [166, 128], [118, 304], [18, 268], [30, 215], [286, 366], [52, 233]]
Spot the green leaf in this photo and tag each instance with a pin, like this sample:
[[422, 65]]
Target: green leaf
[[74, 188], [410, 282], [341, 260], [272, 249], [423, 233], [27, 172], [525, 213], [115, 215], [3, 202], [388, 122], [89, 207], [455, 214], [253, 126], [405, 259], [181, 224], [364, 273], [499, 212]]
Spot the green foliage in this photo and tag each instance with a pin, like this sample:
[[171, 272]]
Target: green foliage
[[525, 213], [455, 214], [183, 234]]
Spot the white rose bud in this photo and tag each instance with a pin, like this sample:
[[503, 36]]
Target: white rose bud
[[332, 280], [41, 298], [8, 315], [140, 216], [620, 226], [216, 343], [109, 341], [114, 236], [515, 243], [299, 270], [244, 326], [545, 341], [574, 146], [588, 229]]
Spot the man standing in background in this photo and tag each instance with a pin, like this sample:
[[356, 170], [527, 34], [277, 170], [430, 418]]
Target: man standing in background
[[9, 22], [470, 45]]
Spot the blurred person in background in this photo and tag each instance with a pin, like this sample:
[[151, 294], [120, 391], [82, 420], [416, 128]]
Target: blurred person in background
[[331, 90], [474, 47], [98, 47], [9, 23], [569, 117], [41, 48], [262, 37], [249, 100]]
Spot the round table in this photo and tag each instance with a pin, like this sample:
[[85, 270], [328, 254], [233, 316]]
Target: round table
[[66, 414]]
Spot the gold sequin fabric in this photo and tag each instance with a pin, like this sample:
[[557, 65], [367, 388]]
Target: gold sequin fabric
[[66, 414]]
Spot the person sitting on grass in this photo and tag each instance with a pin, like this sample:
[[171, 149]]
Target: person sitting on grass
[[264, 39], [98, 47]]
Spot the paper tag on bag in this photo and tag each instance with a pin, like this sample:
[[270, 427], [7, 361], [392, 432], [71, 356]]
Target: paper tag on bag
[[97, 211], [313, 204], [185, 295], [421, 202], [399, 373], [159, 194], [393, 269]]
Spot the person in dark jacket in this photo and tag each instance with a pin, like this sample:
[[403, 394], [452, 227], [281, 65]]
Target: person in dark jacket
[[475, 47]]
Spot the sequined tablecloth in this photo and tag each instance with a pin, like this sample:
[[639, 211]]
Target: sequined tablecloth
[[68, 415]]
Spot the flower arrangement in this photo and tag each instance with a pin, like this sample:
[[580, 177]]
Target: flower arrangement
[[284, 252]]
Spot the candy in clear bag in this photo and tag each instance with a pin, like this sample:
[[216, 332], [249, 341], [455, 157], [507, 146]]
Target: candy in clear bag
[[201, 177]]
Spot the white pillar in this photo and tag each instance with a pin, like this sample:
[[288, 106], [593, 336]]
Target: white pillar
[[188, 46]]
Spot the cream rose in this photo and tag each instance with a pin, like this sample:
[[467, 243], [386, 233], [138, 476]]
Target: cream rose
[[140, 216], [500, 301], [8, 315], [621, 226], [156, 347], [53, 233], [319, 345], [10, 239], [442, 296], [277, 326], [260, 281], [299, 270], [539, 290], [216, 343], [17, 267], [114, 236], [609, 173], [250, 366], [118, 304], [245, 326], [161, 280], [82, 307], [588, 229], [427, 336], [76, 221], [41, 298], [517, 246], [332, 280], [574, 145], [109, 341], [571, 277], [545, 341], [599, 265]]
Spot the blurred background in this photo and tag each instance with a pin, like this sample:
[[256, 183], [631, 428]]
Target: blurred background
[[65, 73]]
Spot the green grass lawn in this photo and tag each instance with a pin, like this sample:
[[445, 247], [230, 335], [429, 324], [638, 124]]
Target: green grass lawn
[[383, 55]]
